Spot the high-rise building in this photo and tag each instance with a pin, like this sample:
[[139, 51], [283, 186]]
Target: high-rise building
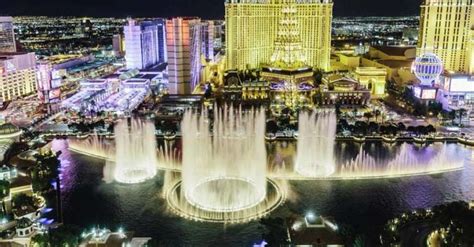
[[49, 83], [183, 38], [17, 75], [288, 49], [446, 30], [219, 29], [161, 25], [117, 45], [144, 43], [207, 39], [7, 35], [87, 28], [287, 66], [252, 27]]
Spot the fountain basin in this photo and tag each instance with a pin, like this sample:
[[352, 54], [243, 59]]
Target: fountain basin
[[316, 171], [181, 206], [240, 194], [134, 176]]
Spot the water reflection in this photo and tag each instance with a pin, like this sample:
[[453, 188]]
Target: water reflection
[[366, 204]]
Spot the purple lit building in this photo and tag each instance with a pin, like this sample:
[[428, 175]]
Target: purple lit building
[[144, 43], [49, 83]]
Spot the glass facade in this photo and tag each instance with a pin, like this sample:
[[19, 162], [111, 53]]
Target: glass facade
[[145, 43], [7, 36]]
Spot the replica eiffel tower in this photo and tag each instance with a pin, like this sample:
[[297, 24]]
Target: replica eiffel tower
[[288, 49], [290, 78]]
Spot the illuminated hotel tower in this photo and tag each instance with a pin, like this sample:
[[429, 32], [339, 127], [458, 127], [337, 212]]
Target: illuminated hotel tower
[[183, 39], [252, 27], [288, 50], [288, 62], [446, 30], [7, 35], [144, 43]]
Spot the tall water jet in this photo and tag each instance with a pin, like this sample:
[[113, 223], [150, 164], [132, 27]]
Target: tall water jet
[[316, 138], [93, 145], [135, 151], [224, 169], [406, 163]]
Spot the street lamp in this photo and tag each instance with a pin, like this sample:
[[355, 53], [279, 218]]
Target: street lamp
[[310, 216]]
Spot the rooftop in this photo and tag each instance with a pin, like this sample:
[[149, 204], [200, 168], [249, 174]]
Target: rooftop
[[318, 233], [13, 55], [157, 68], [98, 81], [145, 76], [394, 50], [396, 63], [57, 59], [8, 129], [9, 54]]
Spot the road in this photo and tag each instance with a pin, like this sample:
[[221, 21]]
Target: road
[[39, 126], [410, 120]]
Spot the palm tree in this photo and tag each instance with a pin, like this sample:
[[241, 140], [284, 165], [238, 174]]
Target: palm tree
[[452, 116], [40, 178], [377, 113], [368, 115], [318, 76], [40, 240], [360, 241], [462, 112], [21, 201], [65, 235], [4, 193], [44, 172], [354, 112]]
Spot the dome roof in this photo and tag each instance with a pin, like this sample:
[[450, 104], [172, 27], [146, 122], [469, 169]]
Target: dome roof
[[427, 68], [23, 223], [8, 128], [345, 84]]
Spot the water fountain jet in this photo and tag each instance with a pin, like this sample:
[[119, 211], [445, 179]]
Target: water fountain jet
[[316, 138], [135, 151], [224, 169]]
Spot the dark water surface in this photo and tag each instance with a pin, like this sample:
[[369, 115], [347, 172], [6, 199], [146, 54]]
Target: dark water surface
[[366, 204]]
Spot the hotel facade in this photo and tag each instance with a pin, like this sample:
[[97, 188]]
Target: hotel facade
[[7, 35], [446, 30], [252, 27], [17, 75], [183, 38], [144, 43]]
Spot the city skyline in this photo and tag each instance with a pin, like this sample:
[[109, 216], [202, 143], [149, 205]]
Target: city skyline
[[237, 123], [209, 9]]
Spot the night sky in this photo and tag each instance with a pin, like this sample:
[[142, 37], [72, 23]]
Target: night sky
[[208, 9]]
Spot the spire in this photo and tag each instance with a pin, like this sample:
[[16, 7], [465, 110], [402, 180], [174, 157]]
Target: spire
[[288, 51]]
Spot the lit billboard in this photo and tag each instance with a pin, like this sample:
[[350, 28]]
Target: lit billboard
[[56, 83], [461, 85], [54, 95], [425, 93], [429, 94]]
